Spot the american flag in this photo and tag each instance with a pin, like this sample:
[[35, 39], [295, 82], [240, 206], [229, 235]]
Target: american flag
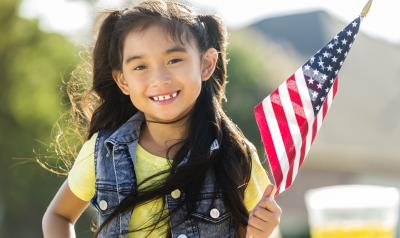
[[291, 116]]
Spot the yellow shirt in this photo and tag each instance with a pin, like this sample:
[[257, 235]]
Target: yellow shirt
[[81, 180]]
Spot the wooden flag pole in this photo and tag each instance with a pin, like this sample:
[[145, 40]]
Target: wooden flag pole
[[366, 9]]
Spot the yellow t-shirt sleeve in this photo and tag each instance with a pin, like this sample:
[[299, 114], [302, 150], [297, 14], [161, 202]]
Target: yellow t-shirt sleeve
[[258, 181], [81, 178]]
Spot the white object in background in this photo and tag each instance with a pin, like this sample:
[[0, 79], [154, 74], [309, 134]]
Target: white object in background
[[353, 211]]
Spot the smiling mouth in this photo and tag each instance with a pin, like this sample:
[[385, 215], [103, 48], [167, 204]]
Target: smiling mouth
[[166, 97]]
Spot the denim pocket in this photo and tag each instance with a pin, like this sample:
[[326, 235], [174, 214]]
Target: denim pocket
[[211, 216]]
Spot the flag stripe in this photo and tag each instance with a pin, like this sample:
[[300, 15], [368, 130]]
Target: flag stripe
[[289, 94], [278, 142], [293, 149], [301, 121], [268, 144], [307, 106]]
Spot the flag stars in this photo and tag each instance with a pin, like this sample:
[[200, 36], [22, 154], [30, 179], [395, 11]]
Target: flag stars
[[319, 85], [326, 54], [312, 59], [330, 46], [314, 94], [349, 33], [322, 99], [307, 67], [329, 68], [311, 81], [344, 42], [341, 63], [324, 77], [354, 24], [316, 72], [326, 90], [339, 50], [334, 59], [317, 108]]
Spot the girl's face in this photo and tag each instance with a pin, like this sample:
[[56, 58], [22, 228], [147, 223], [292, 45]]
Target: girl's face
[[163, 77]]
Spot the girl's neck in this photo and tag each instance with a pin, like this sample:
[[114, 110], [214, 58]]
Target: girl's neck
[[156, 138]]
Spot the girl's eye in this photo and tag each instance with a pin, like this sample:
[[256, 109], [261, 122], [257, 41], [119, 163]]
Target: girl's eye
[[173, 61], [140, 67]]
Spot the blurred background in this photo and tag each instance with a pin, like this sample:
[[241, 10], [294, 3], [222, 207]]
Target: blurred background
[[41, 42]]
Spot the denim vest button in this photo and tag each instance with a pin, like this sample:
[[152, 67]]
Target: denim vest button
[[103, 205], [176, 193], [182, 236], [214, 213]]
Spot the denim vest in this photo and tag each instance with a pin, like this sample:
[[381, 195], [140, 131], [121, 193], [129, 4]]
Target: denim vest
[[114, 158]]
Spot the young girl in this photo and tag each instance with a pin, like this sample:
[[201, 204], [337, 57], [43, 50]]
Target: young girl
[[162, 159]]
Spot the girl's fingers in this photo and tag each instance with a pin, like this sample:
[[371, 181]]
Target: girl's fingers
[[265, 215], [253, 232], [270, 205], [256, 222], [269, 191]]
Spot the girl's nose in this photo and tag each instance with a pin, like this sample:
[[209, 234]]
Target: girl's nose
[[161, 75]]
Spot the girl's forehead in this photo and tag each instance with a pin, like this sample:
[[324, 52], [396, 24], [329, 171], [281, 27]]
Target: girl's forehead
[[155, 39]]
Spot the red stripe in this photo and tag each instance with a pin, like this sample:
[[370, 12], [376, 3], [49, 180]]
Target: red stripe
[[314, 129], [300, 115], [268, 144], [285, 132], [335, 86], [325, 107]]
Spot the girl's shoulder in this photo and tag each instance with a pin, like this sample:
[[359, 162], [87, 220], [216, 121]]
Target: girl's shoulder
[[250, 146], [81, 177], [88, 146]]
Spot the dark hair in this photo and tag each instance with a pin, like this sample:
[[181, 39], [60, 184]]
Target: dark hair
[[231, 162]]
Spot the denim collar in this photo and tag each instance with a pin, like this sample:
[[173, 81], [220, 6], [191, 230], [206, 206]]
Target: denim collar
[[130, 130]]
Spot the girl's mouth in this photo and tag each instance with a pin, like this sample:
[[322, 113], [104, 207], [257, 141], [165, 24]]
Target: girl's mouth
[[165, 99]]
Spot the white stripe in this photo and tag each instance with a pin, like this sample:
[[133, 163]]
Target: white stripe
[[277, 139], [307, 106], [293, 126]]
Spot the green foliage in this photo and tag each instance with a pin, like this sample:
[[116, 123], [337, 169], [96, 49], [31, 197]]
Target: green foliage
[[33, 64]]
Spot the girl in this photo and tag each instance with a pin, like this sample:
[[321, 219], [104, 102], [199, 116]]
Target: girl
[[162, 159]]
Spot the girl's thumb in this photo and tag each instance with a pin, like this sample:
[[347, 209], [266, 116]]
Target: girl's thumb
[[270, 191]]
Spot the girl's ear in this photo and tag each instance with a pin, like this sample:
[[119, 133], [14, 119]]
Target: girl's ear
[[209, 62], [119, 78]]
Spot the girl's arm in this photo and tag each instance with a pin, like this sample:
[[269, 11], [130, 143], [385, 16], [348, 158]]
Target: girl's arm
[[62, 213]]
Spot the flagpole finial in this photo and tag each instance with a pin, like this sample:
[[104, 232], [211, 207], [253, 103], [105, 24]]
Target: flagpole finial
[[366, 9]]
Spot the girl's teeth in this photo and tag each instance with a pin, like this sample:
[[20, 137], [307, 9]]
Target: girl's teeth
[[161, 98]]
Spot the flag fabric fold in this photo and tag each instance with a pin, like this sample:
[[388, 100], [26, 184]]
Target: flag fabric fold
[[290, 117]]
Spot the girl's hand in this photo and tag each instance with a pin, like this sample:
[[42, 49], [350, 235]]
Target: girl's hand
[[265, 217]]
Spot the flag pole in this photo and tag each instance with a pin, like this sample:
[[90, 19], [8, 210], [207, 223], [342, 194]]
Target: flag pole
[[366, 9]]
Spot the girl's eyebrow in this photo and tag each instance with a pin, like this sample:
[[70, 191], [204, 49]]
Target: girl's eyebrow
[[168, 51]]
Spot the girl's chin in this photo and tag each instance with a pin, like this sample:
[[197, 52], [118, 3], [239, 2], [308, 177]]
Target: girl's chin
[[166, 118]]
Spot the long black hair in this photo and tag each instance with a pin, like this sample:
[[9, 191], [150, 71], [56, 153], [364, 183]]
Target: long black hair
[[231, 162]]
